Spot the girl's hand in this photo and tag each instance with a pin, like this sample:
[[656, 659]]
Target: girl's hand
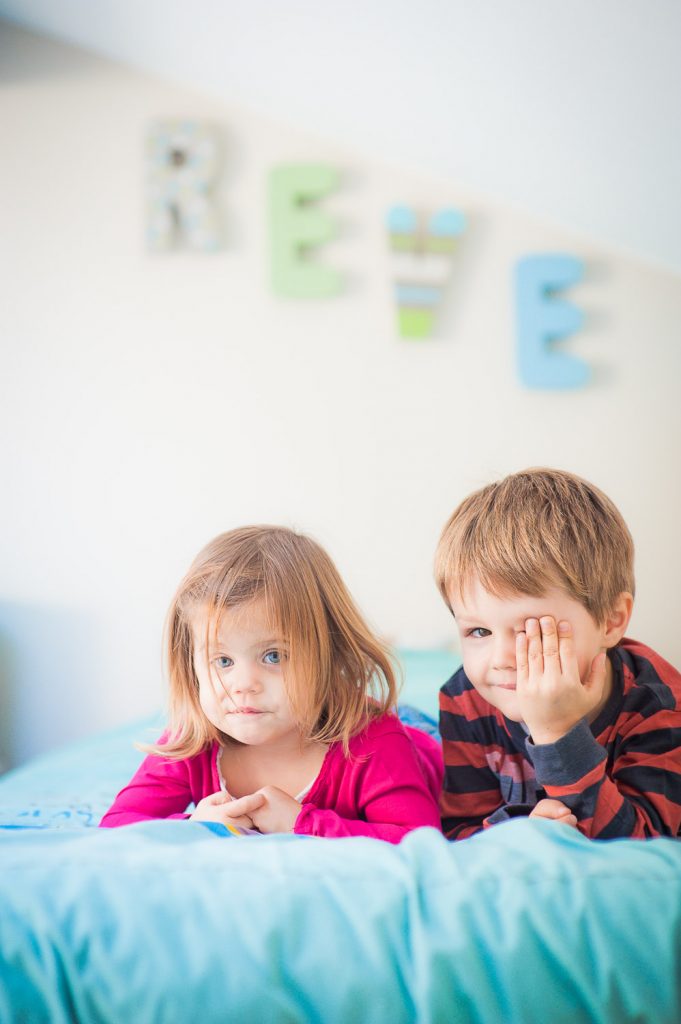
[[551, 696], [220, 807], [270, 809], [555, 810]]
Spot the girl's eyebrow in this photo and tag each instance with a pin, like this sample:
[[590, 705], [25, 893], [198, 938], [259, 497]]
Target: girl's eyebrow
[[259, 644]]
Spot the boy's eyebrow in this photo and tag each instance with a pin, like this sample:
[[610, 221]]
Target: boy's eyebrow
[[519, 625]]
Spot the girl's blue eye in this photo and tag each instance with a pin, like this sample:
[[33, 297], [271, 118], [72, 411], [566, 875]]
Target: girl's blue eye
[[223, 661], [273, 658], [480, 632]]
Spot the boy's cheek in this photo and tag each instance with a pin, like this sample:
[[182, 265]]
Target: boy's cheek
[[583, 665], [472, 671]]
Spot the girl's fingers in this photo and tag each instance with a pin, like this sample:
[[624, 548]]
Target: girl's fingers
[[241, 822], [215, 799], [244, 805], [534, 648]]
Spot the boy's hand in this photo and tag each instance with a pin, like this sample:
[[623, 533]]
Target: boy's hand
[[551, 696], [270, 808], [220, 807], [555, 810]]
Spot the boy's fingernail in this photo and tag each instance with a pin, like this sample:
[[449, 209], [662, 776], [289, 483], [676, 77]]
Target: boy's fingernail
[[563, 627]]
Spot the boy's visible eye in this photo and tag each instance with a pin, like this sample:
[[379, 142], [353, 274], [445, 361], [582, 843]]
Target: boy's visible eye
[[479, 632], [273, 657], [222, 661]]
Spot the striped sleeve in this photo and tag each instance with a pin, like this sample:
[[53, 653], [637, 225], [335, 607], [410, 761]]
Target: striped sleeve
[[471, 791]]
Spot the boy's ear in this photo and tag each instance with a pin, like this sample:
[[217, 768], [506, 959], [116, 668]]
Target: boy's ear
[[617, 619]]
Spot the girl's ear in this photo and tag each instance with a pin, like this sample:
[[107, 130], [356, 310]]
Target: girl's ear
[[617, 619]]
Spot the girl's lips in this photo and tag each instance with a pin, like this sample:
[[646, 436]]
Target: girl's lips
[[505, 686], [246, 711]]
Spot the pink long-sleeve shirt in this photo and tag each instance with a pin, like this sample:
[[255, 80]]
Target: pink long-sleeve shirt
[[388, 786]]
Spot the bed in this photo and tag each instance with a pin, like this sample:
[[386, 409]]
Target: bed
[[173, 921]]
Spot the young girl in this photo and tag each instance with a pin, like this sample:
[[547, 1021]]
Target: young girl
[[280, 704]]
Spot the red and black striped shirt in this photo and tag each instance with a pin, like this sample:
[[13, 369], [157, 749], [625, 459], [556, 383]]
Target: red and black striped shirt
[[620, 775]]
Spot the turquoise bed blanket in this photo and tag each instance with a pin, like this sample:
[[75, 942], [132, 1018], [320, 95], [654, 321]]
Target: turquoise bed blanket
[[168, 922]]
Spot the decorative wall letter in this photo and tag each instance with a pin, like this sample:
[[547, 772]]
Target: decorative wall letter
[[542, 320], [296, 227], [182, 163], [421, 257]]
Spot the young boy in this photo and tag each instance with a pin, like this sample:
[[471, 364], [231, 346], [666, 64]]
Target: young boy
[[554, 713]]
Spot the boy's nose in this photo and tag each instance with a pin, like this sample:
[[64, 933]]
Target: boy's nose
[[504, 654]]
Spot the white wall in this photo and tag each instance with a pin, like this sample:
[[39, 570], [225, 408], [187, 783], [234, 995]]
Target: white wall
[[148, 402], [565, 110]]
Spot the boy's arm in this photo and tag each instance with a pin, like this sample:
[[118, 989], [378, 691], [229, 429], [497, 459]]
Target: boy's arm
[[471, 796], [638, 797], [638, 794]]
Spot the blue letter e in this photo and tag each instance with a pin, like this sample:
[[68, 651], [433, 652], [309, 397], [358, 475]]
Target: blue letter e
[[543, 319]]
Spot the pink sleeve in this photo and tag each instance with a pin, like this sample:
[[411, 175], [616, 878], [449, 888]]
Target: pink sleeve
[[160, 788], [396, 792]]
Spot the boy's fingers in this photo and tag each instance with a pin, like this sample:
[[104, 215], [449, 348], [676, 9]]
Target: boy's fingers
[[245, 804], [521, 656], [534, 649], [217, 798], [566, 646], [596, 677], [554, 808], [549, 637]]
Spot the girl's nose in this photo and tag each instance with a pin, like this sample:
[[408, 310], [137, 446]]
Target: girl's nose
[[245, 681]]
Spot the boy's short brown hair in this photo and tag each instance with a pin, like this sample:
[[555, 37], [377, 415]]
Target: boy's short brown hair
[[534, 530]]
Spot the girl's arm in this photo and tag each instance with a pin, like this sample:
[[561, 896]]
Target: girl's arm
[[160, 788], [388, 787], [393, 785]]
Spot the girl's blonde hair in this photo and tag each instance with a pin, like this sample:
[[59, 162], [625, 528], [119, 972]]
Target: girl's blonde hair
[[338, 675], [535, 530]]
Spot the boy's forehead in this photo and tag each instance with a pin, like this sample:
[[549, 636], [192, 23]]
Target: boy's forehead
[[473, 599], [471, 590]]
